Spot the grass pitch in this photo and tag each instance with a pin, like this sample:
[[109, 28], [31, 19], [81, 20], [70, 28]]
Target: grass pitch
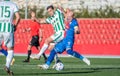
[[73, 67]]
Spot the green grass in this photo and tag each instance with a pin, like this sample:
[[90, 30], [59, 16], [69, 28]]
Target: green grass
[[73, 67]]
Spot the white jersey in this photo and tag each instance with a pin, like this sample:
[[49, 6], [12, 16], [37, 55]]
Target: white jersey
[[7, 10]]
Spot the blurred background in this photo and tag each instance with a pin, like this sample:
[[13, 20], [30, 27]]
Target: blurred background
[[82, 8], [99, 22]]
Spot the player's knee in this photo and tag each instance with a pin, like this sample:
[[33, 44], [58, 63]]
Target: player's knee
[[48, 40], [53, 51], [51, 47], [69, 51], [10, 48]]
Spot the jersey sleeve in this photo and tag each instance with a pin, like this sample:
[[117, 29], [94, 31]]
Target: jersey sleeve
[[58, 10], [15, 8], [75, 23], [48, 20]]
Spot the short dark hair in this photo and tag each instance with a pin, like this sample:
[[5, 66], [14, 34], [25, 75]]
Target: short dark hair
[[51, 6]]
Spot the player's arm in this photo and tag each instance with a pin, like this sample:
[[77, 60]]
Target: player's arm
[[62, 9], [40, 34], [77, 30], [39, 20], [33, 17], [76, 27], [17, 16], [17, 19], [42, 21], [58, 6]]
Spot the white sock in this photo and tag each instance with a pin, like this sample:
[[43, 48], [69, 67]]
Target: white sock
[[9, 58], [43, 49], [56, 58], [86, 61]]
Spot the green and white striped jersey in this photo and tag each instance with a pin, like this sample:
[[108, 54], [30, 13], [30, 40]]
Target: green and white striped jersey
[[7, 10], [57, 20]]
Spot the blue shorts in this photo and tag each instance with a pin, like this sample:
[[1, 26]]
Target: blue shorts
[[65, 44]]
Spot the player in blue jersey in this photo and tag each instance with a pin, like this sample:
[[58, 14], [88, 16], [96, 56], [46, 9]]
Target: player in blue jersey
[[66, 43]]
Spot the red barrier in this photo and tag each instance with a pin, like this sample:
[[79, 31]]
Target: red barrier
[[98, 37]]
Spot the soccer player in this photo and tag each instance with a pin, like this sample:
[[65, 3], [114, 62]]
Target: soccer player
[[36, 34], [57, 20], [3, 51], [7, 11], [66, 43]]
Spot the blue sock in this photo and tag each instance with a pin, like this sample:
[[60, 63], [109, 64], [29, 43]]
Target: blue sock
[[51, 57], [75, 54], [4, 52]]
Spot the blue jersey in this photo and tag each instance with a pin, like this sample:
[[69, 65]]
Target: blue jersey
[[66, 44], [68, 41], [70, 30]]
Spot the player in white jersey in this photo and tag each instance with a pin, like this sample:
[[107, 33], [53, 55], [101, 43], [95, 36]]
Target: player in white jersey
[[56, 18], [7, 11]]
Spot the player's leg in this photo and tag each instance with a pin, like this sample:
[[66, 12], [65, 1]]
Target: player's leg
[[49, 60], [6, 53], [45, 57], [57, 37], [3, 51], [59, 48], [28, 54], [51, 57], [77, 55], [45, 46], [9, 42], [70, 51], [33, 42], [51, 46], [56, 56]]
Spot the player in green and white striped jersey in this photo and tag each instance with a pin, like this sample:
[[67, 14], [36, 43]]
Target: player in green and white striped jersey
[[57, 20], [7, 11]]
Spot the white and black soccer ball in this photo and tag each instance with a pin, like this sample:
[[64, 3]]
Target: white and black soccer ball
[[59, 66]]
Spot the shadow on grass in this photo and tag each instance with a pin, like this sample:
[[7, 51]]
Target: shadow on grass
[[64, 72], [68, 71]]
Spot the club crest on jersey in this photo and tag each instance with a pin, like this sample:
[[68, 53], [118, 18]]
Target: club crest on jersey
[[68, 43]]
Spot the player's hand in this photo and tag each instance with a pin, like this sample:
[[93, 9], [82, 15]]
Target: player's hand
[[56, 4], [77, 32], [14, 28]]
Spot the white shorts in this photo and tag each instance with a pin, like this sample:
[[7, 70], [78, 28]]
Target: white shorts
[[58, 36], [7, 38]]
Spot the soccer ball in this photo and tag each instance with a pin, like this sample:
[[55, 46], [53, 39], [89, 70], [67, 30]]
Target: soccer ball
[[59, 66]]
